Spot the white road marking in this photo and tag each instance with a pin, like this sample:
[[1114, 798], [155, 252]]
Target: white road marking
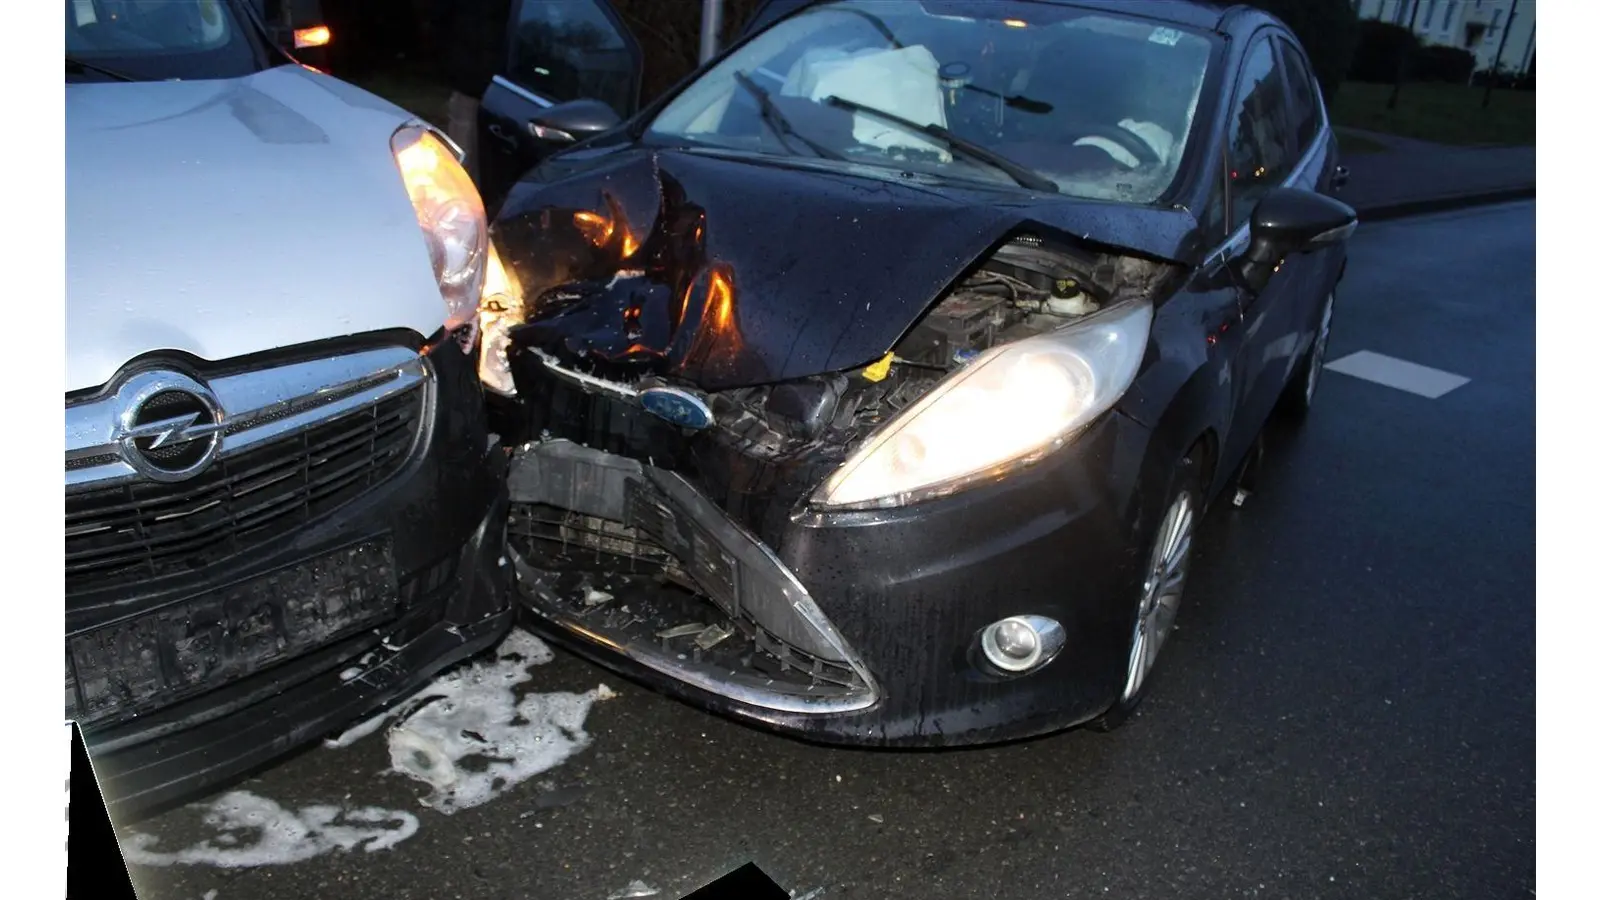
[[1397, 373]]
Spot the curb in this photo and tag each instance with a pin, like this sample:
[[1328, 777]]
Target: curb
[[1378, 212]]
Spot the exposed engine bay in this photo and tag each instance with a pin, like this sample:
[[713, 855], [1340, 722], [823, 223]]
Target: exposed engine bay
[[1027, 287]]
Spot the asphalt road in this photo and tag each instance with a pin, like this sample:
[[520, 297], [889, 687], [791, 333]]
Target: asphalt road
[[1346, 710]]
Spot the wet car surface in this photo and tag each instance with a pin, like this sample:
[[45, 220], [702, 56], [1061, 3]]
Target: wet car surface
[[1347, 709]]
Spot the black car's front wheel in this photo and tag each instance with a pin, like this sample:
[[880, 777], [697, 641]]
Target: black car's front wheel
[[1166, 573], [1302, 388]]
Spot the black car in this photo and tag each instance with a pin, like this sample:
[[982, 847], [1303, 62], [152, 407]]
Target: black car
[[872, 382]]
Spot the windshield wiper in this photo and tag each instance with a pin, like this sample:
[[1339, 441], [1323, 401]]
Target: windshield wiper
[[779, 123], [81, 66], [1021, 174]]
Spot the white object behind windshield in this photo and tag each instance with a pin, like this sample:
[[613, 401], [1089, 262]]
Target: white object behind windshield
[[904, 82]]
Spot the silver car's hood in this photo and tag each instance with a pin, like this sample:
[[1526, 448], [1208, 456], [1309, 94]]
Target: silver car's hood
[[222, 218]]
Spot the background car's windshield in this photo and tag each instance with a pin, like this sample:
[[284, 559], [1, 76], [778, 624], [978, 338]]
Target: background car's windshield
[[1099, 104], [158, 40]]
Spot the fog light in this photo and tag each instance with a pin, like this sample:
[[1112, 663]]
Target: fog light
[[1022, 643]]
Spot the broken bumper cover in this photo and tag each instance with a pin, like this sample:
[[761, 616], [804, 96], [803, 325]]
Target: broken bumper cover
[[765, 610], [897, 598], [405, 581]]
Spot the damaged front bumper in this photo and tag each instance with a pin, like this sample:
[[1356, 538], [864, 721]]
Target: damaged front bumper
[[189, 680], [772, 650], [857, 628]]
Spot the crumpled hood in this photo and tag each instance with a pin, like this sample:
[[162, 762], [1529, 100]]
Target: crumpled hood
[[730, 272], [222, 218]]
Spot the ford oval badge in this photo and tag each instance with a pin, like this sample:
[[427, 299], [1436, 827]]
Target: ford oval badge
[[677, 406]]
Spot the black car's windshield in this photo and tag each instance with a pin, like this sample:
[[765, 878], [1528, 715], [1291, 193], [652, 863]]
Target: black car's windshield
[[1099, 104], [158, 40]]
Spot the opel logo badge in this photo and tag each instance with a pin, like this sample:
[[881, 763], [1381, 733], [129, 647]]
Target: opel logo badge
[[169, 426]]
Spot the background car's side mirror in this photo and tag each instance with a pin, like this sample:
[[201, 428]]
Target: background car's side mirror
[[573, 121], [1288, 221]]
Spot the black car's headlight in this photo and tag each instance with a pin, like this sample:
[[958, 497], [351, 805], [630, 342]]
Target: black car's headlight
[[1008, 407], [501, 309], [452, 217]]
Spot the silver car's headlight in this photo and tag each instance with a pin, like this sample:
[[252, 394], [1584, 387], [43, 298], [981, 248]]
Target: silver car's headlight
[[451, 214], [1006, 408]]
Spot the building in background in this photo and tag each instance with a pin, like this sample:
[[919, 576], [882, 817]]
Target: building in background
[[1474, 25]]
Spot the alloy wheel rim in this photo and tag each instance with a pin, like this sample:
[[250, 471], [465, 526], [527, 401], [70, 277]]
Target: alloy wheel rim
[[1162, 591], [1319, 349]]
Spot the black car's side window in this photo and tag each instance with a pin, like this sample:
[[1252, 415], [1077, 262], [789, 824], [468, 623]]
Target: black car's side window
[[1260, 145], [1305, 107], [568, 50]]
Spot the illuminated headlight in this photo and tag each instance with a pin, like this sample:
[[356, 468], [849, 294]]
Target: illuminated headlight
[[451, 214], [501, 309], [1008, 407]]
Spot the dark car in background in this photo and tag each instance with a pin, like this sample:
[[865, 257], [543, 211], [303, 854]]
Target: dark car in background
[[876, 378], [297, 26]]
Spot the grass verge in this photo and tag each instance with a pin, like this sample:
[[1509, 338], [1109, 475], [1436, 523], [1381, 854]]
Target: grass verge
[[1443, 113]]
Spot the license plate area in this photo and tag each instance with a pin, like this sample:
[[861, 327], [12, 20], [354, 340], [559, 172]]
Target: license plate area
[[229, 632]]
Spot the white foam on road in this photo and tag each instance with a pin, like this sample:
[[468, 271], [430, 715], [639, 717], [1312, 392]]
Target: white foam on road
[[468, 735], [1397, 373], [255, 831], [471, 739]]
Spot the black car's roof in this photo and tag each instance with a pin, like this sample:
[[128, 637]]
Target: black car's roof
[[1193, 13]]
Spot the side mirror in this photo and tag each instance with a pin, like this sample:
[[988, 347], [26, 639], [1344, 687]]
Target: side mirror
[[1289, 221], [573, 121]]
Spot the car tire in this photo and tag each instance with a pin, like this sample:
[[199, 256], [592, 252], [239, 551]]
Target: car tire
[[1171, 539], [1301, 390]]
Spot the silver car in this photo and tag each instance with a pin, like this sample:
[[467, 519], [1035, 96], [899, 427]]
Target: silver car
[[285, 508]]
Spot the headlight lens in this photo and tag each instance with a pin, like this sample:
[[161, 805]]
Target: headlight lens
[[501, 309], [1006, 408], [451, 214]]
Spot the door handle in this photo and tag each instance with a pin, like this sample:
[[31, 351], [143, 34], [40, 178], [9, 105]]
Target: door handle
[[501, 134]]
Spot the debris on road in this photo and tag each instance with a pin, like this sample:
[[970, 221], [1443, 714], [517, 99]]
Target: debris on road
[[635, 889]]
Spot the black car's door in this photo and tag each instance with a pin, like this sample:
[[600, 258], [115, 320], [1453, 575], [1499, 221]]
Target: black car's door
[[1261, 155], [1315, 273], [556, 51]]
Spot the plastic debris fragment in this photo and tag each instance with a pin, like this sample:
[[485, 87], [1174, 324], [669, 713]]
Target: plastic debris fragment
[[712, 636]]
